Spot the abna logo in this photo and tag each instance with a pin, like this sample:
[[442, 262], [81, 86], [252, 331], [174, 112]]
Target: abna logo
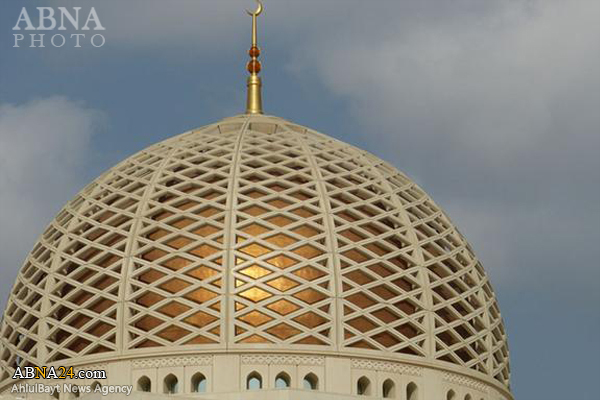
[[49, 19]]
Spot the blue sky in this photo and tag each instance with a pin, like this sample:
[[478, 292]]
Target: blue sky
[[492, 107]]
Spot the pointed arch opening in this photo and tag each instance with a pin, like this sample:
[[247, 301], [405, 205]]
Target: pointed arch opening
[[171, 384], [199, 383], [412, 391], [389, 389], [254, 381], [451, 395], [144, 384], [310, 382], [282, 381], [363, 386]]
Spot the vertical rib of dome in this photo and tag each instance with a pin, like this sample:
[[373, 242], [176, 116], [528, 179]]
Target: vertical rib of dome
[[230, 220], [378, 167], [335, 264], [128, 264]]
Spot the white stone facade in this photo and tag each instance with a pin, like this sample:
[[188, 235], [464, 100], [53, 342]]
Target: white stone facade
[[227, 375]]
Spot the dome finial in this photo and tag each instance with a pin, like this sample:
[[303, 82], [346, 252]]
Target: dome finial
[[254, 84]]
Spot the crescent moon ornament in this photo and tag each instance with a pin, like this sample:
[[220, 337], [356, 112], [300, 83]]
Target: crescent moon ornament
[[254, 84], [258, 10]]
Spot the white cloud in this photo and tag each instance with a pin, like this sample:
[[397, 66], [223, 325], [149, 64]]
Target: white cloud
[[490, 81], [43, 148]]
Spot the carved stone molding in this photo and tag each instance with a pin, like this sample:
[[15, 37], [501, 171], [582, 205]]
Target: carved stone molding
[[466, 381], [387, 366], [181, 361], [282, 359]]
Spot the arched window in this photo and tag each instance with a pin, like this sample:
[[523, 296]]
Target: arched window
[[254, 381], [95, 385], [468, 397], [310, 382], [363, 386], [450, 395], [389, 389], [55, 395], [198, 383], [171, 384], [144, 384], [412, 391], [282, 381]]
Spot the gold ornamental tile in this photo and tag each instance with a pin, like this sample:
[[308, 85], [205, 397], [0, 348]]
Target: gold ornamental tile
[[154, 254], [157, 234], [255, 230], [310, 320], [255, 271], [359, 277], [255, 294], [279, 203], [386, 315], [255, 250], [173, 309], [283, 331], [362, 324], [205, 230], [150, 276], [282, 261], [306, 231], [309, 273], [254, 211], [147, 323], [200, 319], [282, 284], [254, 339], [205, 212], [176, 263], [255, 194], [181, 223], [307, 251], [174, 285], [149, 299], [384, 292], [280, 220], [202, 273], [283, 307], [304, 212], [309, 296], [179, 242], [201, 295], [281, 240], [204, 251], [255, 318]]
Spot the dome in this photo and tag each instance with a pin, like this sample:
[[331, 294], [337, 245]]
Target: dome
[[258, 237]]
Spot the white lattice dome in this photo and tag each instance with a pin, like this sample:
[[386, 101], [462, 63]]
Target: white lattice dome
[[255, 235]]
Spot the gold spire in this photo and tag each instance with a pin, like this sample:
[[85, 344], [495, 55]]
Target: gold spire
[[254, 100]]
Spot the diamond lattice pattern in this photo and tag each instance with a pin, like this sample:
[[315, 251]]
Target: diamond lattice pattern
[[253, 232]]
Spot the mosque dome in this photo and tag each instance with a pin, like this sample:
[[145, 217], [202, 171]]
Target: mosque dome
[[255, 235], [255, 253]]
